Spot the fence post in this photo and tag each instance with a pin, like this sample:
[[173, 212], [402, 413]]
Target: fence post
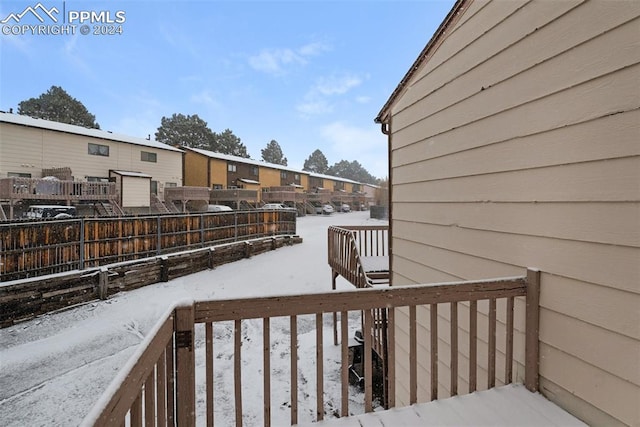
[[212, 264], [159, 238], [103, 283], [235, 226], [248, 249], [532, 318], [81, 245], [185, 365], [164, 269]]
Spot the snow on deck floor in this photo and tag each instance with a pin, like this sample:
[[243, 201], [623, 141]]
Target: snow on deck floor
[[510, 405]]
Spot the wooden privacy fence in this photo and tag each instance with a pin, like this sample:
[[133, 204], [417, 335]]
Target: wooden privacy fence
[[29, 249], [25, 299], [158, 385]]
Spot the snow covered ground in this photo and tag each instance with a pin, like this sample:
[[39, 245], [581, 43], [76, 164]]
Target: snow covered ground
[[54, 368]]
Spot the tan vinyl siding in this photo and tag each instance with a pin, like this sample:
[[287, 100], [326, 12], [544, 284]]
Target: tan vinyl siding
[[24, 150], [517, 144]]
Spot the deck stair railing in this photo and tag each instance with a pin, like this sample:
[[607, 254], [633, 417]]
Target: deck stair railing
[[351, 248], [158, 385]]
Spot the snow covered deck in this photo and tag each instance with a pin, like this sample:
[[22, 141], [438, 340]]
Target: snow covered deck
[[509, 405]]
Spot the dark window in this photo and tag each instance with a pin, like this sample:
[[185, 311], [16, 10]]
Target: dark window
[[146, 156], [18, 175], [254, 171], [231, 167], [98, 150], [283, 174], [97, 179], [218, 186], [154, 187]]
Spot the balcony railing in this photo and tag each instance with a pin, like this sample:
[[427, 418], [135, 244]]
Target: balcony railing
[[47, 189], [158, 385], [360, 254], [186, 193], [233, 195], [284, 196]]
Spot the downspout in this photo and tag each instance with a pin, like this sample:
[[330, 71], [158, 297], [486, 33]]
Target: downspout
[[385, 128], [389, 400]]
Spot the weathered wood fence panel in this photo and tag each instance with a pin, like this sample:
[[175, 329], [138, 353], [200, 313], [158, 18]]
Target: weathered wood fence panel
[[29, 249], [28, 298]]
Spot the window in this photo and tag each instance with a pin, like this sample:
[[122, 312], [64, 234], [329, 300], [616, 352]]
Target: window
[[154, 187], [97, 179], [18, 175], [170, 184], [146, 156], [296, 177], [231, 167], [283, 175], [98, 150], [218, 186], [254, 171]]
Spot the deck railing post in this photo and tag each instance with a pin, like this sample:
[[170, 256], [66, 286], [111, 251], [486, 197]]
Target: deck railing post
[[185, 365], [532, 350]]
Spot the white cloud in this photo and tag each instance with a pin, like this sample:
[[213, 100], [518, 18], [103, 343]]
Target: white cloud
[[336, 84], [317, 99], [363, 99], [205, 97], [367, 145], [312, 108], [275, 61], [313, 49]]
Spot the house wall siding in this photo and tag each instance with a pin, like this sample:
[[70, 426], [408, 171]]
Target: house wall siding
[[195, 174], [136, 192], [516, 144], [269, 177], [50, 149], [218, 171]]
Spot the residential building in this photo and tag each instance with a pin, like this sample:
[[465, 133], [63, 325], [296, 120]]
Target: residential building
[[29, 148]]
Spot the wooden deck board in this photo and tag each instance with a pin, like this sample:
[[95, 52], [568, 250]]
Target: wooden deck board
[[502, 406]]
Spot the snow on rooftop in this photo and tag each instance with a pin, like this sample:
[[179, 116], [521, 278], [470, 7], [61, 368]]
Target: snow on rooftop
[[22, 120], [238, 159], [133, 174]]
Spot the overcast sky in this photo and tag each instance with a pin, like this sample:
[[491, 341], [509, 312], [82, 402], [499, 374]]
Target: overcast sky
[[309, 74]]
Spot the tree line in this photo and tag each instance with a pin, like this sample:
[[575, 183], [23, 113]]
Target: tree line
[[190, 131]]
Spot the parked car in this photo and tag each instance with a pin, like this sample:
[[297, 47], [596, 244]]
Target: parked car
[[218, 208], [345, 208], [327, 209], [50, 211], [274, 206]]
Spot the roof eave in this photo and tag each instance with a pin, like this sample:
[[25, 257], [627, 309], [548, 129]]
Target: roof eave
[[456, 11]]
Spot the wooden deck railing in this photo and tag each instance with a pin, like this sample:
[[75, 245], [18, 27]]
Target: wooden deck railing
[[233, 195], [164, 366], [349, 247], [186, 193], [44, 189]]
